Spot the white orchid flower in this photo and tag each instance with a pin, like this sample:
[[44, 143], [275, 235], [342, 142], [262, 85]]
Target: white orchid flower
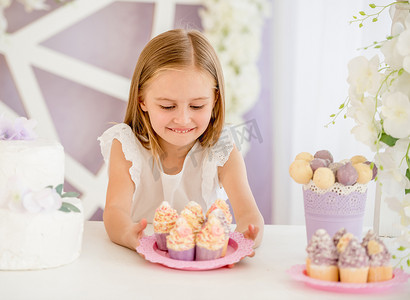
[[396, 114], [363, 76]]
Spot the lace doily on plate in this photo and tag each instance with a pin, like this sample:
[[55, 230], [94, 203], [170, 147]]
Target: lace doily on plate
[[238, 248], [298, 272]]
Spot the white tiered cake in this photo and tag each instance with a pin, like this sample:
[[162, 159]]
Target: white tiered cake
[[38, 227]]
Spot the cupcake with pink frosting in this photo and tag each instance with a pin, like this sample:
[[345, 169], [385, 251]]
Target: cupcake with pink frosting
[[164, 220], [194, 216], [221, 204], [222, 217], [181, 241], [210, 240]]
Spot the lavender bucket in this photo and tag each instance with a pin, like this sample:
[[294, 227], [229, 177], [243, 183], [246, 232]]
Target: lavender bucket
[[334, 208]]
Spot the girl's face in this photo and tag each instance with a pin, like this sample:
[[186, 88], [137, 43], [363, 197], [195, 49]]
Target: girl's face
[[179, 104]]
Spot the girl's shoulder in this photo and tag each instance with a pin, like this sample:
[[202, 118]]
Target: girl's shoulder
[[221, 150], [123, 133]]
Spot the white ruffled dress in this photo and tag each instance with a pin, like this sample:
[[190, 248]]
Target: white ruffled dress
[[197, 181]]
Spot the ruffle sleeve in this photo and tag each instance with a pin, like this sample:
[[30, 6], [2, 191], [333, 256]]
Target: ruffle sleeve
[[124, 134], [217, 156]]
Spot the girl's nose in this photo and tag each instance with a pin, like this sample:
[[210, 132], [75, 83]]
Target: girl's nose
[[183, 116]]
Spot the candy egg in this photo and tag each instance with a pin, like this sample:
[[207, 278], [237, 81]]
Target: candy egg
[[358, 159], [323, 178], [364, 172], [318, 163], [304, 156], [300, 171], [373, 167], [324, 154], [347, 174], [334, 166]]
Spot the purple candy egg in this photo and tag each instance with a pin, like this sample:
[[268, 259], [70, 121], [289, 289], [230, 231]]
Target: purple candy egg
[[374, 169], [324, 154], [347, 174], [318, 163]]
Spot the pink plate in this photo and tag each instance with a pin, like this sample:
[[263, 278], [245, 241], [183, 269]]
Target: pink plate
[[298, 272], [238, 248]]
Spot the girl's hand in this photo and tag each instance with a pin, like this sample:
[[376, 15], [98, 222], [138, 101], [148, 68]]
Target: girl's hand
[[251, 233], [137, 232]]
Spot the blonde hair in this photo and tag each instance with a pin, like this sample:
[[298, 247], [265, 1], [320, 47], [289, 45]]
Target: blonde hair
[[174, 49]]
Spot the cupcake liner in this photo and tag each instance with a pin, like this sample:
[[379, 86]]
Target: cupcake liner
[[161, 239], [206, 254], [187, 255]]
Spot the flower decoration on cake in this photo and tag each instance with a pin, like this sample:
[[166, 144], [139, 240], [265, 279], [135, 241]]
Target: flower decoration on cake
[[18, 129], [192, 212], [379, 103], [20, 199]]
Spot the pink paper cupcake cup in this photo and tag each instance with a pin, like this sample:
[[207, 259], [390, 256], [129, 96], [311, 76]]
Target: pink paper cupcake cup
[[161, 239], [206, 254], [187, 255]]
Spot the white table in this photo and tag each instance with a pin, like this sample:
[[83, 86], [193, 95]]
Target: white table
[[107, 271]]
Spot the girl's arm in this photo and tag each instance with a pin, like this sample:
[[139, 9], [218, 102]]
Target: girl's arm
[[117, 213], [233, 178]]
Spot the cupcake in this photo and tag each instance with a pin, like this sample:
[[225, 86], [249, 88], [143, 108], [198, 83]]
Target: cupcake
[[222, 217], [379, 261], [181, 241], [164, 220], [221, 204], [353, 263], [210, 240], [343, 242], [193, 215], [338, 235], [370, 235], [321, 262]]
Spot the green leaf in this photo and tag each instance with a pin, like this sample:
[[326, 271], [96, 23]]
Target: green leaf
[[372, 5], [341, 106], [400, 71], [377, 47], [394, 256], [68, 207], [408, 262], [354, 17], [64, 209], [374, 20], [401, 248], [332, 115], [360, 25], [70, 194], [388, 139], [389, 37], [59, 189], [362, 13]]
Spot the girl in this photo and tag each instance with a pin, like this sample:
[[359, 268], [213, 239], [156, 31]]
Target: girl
[[173, 145]]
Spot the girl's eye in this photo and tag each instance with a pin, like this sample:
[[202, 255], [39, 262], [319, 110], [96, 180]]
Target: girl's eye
[[197, 106], [167, 107]]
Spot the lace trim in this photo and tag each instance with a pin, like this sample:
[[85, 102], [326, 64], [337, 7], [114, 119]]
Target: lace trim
[[217, 157], [337, 188], [123, 133]]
